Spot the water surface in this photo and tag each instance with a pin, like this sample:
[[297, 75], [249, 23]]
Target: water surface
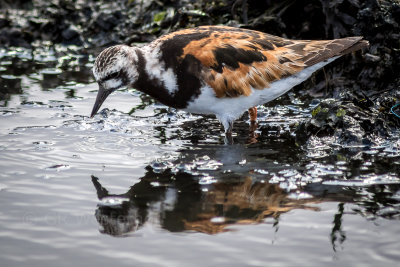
[[140, 184]]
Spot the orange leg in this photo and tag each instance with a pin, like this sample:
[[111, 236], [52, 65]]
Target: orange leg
[[253, 125], [253, 114]]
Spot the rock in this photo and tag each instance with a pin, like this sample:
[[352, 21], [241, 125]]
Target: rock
[[351, 123], [70, 32], [4, 22], [9, 84], [107, 20], [15, 37], [36, 23], [50, 31], [371, 58]]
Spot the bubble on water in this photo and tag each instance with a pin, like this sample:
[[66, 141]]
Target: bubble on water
[[366, 180], [396, 196], [388, 178], [186, 166], [242, 162], [218, 220], [159, 167], [344, 183], [112, 201], [206, 179], [261, 171], [51, 71], [288, 185], [44, 56], [318, 169], [114, 122], [299, 195], [371, 152], [275, 179], [43, 145], [388, 212], [155, 184], [197, 165], [210, 165], [35, 76], [6, 63], [290, 173]]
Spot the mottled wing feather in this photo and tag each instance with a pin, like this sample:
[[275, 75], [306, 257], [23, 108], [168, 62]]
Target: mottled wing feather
[[236, 60]]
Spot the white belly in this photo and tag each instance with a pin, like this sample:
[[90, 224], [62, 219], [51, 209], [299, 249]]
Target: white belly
[[229, 109]]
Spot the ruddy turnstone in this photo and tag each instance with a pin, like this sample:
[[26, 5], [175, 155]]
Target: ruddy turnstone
[[216, 69]]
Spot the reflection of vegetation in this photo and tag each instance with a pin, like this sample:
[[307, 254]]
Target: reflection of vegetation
[[379, 201], [141, 106], [145, 102], [71, 93], [337, 233], [9, 85], [161, 134]]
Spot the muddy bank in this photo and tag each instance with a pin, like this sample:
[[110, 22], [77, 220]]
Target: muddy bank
[[364, 86]]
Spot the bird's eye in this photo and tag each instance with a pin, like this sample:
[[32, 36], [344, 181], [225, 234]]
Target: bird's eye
[[112, 76]]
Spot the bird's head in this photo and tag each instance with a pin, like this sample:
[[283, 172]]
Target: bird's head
[[115, 67]]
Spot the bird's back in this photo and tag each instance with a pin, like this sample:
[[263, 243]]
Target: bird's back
[[233, 61]]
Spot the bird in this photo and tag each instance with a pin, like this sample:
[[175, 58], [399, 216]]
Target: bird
[[217, 70]]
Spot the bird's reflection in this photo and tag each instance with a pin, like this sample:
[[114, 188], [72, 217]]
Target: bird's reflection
[[179, 203]]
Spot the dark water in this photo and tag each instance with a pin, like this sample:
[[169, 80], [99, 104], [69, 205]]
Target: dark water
[[141, 185]]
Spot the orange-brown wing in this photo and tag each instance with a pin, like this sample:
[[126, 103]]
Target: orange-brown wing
[[236, 60]]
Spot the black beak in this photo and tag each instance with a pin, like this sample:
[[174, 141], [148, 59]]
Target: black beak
[[101, 96]]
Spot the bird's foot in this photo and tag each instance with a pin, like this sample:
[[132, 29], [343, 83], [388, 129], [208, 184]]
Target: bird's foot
[[228, 140], [228, 133], [252, 133], [253, 125]]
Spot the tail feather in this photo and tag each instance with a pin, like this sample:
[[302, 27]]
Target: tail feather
[[334, 48], [357, 46]]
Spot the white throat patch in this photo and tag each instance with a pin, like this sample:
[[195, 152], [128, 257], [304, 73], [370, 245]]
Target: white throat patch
[[156, 69]]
